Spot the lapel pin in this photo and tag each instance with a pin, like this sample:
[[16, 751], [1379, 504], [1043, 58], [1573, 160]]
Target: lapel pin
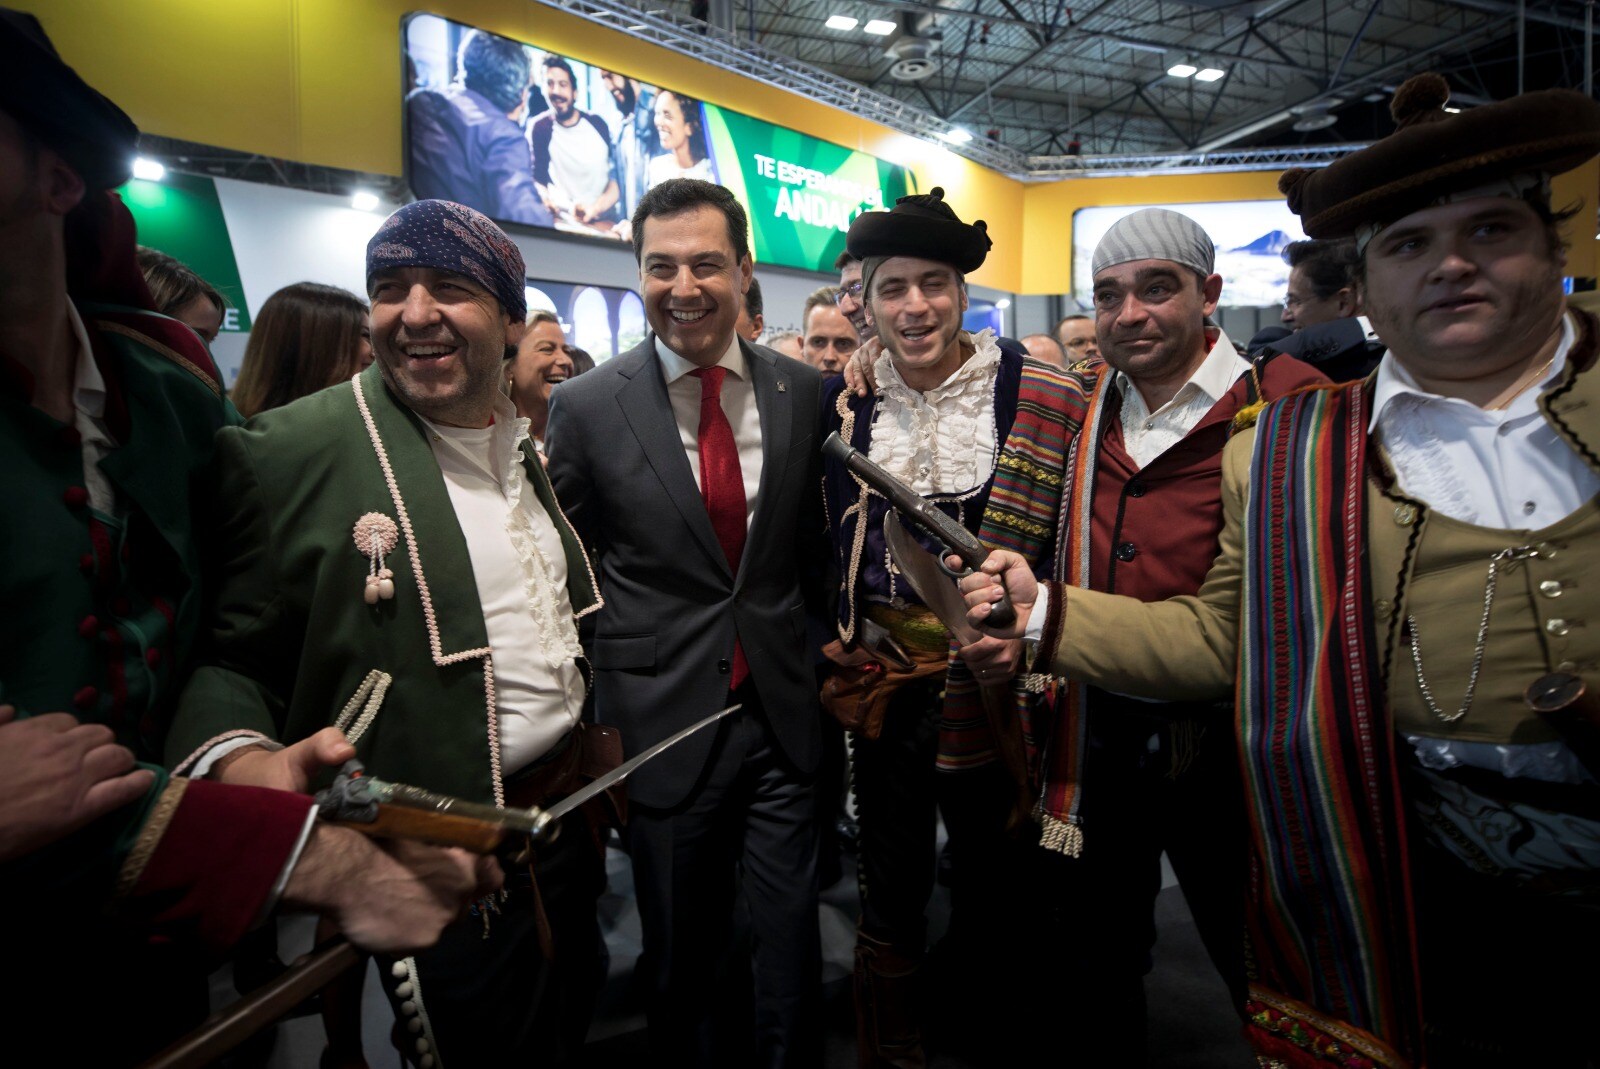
[[781, 387], [376, 536]]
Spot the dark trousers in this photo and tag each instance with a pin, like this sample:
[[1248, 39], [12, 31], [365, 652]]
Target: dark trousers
[[1509, 977], [750, 821], [488, 992], [1151, 784], [899, 797]]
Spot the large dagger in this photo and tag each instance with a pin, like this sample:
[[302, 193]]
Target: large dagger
[[397, 811], [388, 810]]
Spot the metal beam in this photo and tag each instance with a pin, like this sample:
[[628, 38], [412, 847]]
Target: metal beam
[[1410, 61], [1372, 13], [1500, 7]]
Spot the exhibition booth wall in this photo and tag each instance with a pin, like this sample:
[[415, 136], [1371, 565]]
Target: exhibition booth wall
[[322, 83]]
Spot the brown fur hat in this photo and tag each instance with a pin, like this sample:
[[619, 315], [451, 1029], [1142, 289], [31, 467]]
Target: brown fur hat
[[1434, 153]]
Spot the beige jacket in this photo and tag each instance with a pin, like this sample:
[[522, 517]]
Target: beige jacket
[[1186, 648]]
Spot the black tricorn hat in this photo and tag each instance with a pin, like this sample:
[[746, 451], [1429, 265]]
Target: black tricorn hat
[[48, 99], [1435, 153], [924, 226]]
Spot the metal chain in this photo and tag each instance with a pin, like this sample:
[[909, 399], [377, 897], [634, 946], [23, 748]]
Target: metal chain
[[1512, 554]]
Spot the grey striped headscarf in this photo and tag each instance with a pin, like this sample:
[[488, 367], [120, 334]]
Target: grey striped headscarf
[[1156, 234]]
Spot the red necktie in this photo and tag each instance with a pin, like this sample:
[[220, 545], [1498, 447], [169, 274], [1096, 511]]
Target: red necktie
[[722, 485]]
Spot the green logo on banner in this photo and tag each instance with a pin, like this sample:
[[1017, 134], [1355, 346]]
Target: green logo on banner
[[181, 216], [801, 193]]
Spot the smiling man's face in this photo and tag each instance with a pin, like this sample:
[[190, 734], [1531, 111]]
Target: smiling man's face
[[692, 282], [440, 339], [917, 306]]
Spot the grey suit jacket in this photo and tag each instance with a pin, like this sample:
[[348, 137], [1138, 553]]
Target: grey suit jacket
[[663, 641]]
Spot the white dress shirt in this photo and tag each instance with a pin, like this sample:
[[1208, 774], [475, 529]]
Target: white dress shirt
[[520, 571], [738, 404], [1504, 469], [1146, 434]]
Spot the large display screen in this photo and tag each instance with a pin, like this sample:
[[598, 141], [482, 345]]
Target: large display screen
[[532, 137], [1250, 236]]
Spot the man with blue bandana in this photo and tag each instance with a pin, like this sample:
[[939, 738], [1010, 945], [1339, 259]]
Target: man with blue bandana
[[395, 566]]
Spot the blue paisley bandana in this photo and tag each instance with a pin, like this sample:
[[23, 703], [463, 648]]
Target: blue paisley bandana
[[455, 238]]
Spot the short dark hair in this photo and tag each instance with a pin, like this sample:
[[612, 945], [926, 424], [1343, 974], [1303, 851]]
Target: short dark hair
[[1069, 318], [1329, 266], [495, 68], [844, 260], [552, 61], [680, 195]]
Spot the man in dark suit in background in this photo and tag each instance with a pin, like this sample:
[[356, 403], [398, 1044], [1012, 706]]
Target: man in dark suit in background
[[690, 467]]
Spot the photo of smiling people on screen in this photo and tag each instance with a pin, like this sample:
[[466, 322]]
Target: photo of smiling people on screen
[[680, 125]]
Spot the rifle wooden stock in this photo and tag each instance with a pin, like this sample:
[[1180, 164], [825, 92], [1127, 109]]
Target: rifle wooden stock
[[436, 829], [227, 1028]]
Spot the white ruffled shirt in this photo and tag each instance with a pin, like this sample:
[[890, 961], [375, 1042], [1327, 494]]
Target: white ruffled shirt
[[1504, 469], [938, 441], [520, 570]]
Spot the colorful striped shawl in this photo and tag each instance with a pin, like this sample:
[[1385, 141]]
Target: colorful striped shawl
[[1021, 516], [1331, 895]]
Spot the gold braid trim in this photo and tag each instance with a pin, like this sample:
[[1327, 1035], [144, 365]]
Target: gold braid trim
[[150, 836], [171, 354]]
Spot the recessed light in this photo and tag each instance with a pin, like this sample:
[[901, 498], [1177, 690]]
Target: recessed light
[[841, 22], [1003, 302], [880, 27], [1182, 70], [957, 136], [364, 201], [1452, 111], [148, 170], [1209, 74]]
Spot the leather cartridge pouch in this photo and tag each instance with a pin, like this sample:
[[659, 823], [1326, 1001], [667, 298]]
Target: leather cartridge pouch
[[859, 686]]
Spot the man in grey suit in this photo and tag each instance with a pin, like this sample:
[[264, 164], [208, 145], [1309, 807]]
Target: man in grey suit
[[690, 467]]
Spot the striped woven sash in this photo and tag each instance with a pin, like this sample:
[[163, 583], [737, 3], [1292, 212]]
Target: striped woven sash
[[1333, 946]]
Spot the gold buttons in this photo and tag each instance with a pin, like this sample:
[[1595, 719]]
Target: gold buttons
[[1382, 608], [1557, 627], [1405, 514], [1551, 588], [1547, 550]]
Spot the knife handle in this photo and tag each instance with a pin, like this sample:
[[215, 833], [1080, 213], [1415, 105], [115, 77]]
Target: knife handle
[[436, 829]]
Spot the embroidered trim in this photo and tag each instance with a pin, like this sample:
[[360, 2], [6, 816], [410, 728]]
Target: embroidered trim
[[200, 751], [144, 847], [440, 658], [171, 354], [372, 690], [426, 1035], [1277, 1021]]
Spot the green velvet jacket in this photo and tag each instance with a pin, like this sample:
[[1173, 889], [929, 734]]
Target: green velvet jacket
[[292, 639]]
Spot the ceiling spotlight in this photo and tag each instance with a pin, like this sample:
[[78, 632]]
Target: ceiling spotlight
[[1209, 74], [957, 136], [841, 22], [148, 170], [1182, 70], [364, 201], [1003, 302], [881, 27], [1452, 111]]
